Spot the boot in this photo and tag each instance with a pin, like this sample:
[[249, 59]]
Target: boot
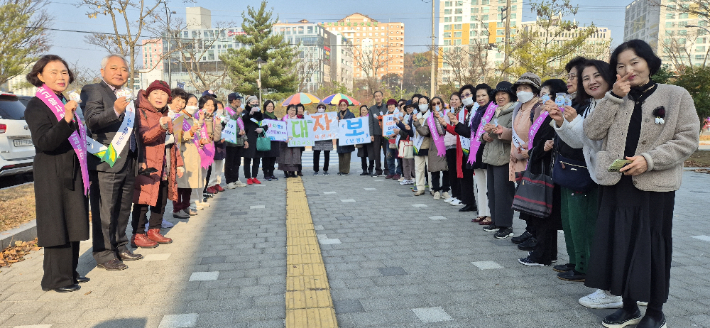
[[142, 241], [154, 235]]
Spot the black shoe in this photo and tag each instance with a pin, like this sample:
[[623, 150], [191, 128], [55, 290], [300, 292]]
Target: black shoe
[[572, 275], [519, 239], [490, 228], [468, 208], [650, 322], [325, 173], [274, 178], [563, 267], [528, 245], [362, 174], [300, 174], [67, 289], [621, 319], [129, 256], [315, 173], [503, 233], [81, 280], [113, 265]]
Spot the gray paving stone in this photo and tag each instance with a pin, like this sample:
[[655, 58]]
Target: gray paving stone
[[392, 271], [348, 306], [213, 259], [433, 314], [179, 320], [204, 276]]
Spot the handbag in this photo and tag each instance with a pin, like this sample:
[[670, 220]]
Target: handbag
[[534, 193], [572, 174], [406, 149], [392, 144], [263, 143]]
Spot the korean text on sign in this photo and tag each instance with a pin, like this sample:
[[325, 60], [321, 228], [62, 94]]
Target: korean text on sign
[[354, 131]]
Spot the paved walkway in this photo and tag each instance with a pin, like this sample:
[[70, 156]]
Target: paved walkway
[[391, 259]]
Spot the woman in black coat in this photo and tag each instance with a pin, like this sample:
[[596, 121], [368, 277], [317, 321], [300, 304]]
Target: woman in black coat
[[252, 111], [270, 156], [60, 195]]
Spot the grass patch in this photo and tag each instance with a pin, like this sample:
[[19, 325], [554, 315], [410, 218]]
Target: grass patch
[[701, 158], [17, 206]]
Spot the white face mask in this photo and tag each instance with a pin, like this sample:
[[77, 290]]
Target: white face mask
[[423, 107], [320, 110], [467, 101], [255, 109], [525, 96], [191, 109]]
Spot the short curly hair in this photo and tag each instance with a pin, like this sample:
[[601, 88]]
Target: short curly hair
[[38, 68]]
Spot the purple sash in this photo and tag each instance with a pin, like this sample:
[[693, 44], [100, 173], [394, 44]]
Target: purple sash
[[230, 111], [206, 158], [476, 138], [534, 128], [77, 140], [438, 140]]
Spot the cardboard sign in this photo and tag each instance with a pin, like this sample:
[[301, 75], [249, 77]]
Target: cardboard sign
[[277, 130], [388, 124], [230, 131], [353, 131], [325, 126], [299, 133]]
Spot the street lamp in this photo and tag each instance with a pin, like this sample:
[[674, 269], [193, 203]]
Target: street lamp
[[168, 14], [259, 62]]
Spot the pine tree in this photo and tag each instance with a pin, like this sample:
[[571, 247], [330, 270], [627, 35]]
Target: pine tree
[[278, 74]]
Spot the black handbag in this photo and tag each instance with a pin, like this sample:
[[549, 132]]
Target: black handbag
[[534, 193], [572, 174]]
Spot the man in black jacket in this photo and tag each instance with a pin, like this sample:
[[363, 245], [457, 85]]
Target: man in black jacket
[[378, 144], [111, 185]]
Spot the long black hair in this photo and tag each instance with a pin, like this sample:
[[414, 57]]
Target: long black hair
[[604, 69]]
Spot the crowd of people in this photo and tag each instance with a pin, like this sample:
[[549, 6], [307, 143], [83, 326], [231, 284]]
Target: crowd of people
[[606, 146]]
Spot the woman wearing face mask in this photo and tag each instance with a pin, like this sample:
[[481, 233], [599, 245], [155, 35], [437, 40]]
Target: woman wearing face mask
[[252, 157], [497, 136], [220, 154], [362, 150], [213, 126], [430, 154], [454, 153], [189, 139], [655, 128], [324, 146], [268, 166], [234, 151], [406, 133], [344, 152], [289, 157]]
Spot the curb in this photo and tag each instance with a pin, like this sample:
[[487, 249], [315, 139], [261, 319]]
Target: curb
[[25, 232]]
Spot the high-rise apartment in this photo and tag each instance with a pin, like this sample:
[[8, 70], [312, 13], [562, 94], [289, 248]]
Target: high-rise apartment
[[378, 48], [680, 39]]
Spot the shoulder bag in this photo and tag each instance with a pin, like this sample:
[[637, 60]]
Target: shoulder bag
[[263, 143]]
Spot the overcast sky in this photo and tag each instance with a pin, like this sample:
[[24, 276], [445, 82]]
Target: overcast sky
[[415, 14]]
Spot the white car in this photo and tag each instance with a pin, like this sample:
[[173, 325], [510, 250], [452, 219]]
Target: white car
[[17, 152]]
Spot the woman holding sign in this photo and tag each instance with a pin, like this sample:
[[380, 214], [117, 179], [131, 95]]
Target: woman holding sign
[[648, 130], [344, 152], [270, 156], [60, 174], [289, 157]]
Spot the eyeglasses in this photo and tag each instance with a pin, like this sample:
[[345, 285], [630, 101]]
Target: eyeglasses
[[466, 95], [436, 104], [571, 76]]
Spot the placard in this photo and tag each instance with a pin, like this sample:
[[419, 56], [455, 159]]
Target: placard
[[229, 133], [353, 131], [388, 124], [325, 126], [277, 130], [299, 133]]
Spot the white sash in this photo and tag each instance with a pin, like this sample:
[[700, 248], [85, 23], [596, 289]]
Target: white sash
[[123, 134]]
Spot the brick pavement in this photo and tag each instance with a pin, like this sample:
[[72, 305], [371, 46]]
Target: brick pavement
[[392, 260]]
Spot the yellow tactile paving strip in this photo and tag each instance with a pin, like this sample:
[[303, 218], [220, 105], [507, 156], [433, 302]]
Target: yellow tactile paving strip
[[308, 301]]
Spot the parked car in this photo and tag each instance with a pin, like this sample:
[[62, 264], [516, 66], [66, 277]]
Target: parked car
[[24, 99], [16, 149]]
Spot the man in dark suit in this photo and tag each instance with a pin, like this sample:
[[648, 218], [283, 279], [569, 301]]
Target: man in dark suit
[[111, 186]]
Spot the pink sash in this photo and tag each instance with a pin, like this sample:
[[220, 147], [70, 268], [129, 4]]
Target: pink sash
[[206, 152], [438, 140], [77, 140], [476, 140], [230, 111], [534, 128]]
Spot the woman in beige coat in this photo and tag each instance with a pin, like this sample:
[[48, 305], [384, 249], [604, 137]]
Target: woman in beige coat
[[191, 183], [427, 152]]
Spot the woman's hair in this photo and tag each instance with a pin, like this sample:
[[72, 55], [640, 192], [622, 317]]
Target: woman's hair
[[425, 97], [179, 93], [576, 61], [266, 104], [456, 93], [605, 71], [204, 99], [39, 67], [189, 95], [556, 86], [642, 49], [291, 106], [440, 100], [486, 87], [217, 103], [361, 107]]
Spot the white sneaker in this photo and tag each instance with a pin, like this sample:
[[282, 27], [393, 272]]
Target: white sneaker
[[401, 179], [437, 195], [456, 202], [601, 299], [240, 184], [449, 200], [231, 185], [446, 195]]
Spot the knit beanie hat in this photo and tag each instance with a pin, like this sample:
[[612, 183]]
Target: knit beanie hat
[[530, 79], [250, 98], [159, 85], [343, 101], [391, 102]]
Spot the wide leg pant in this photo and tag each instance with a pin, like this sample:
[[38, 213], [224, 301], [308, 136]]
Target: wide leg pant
[[481, 183], [60, 263], [420, 164], [500, 199], [344, 162], [579, 219]]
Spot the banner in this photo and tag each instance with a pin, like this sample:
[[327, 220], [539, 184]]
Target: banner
[[229, 133], [299, 133], [325, 126], [388, 124], [353, 131], [277, 130]]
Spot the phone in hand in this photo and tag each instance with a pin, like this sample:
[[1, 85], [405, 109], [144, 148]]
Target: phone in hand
[[618, 165], [148, 171]]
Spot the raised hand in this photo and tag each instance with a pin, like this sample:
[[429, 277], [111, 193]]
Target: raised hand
[[120, 105], [69, 110], [622, 85], [570, 113]]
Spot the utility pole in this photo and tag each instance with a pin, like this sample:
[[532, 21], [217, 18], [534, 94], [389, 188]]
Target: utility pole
[[507, 38], [433, 50]]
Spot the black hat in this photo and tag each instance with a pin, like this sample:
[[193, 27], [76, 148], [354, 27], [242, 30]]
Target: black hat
[[505, 86], [233, 96]]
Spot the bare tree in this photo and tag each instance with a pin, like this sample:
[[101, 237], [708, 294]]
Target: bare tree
[[23, 26], [371, 59], [466, 63], [127, 28], [679, 50], [82, 76], [306, 68]]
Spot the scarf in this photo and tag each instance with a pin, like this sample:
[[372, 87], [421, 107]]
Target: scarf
[[271, 115]]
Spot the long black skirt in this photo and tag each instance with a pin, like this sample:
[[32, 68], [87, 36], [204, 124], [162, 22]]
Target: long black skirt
[[632, 248]]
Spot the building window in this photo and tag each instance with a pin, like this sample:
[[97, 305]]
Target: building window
[[447, 27], [457, 34], [485, 18], [474, 10], [457, 26], [447, 11], [447, 19], [447, 3], [485, 2], [447, 34], [474, 18], [458, 19]]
